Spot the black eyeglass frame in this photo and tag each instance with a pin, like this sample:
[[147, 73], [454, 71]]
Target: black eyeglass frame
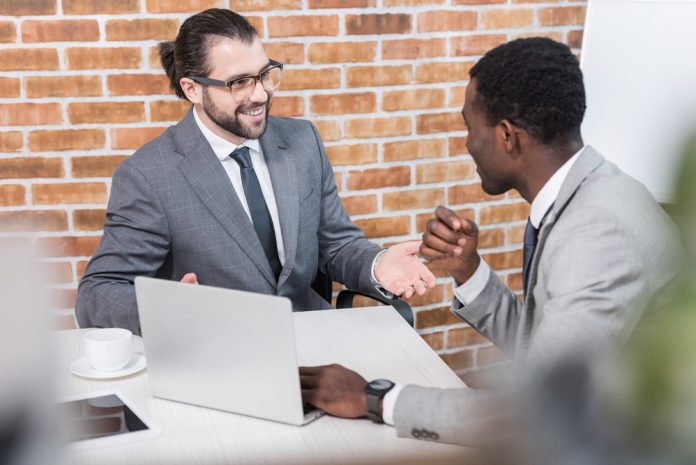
[[258, 78]]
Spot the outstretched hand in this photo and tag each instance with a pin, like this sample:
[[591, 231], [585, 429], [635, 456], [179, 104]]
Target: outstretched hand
[[401, 272]]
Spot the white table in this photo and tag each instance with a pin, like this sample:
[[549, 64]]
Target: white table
[[374, 341]]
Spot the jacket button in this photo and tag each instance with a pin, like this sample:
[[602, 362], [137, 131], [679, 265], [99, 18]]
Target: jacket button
[[434, 436], [416, 433]]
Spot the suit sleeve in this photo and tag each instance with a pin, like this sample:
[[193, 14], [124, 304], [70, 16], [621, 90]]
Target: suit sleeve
[[135, 242], [344, 252]]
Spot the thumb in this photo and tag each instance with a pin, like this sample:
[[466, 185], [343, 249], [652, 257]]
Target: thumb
[[410, 248], [190, 278]]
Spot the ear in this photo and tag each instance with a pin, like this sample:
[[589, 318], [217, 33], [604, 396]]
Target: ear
[[509, 134], [193, 91]]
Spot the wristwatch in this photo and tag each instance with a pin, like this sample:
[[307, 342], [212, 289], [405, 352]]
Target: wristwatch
[[375, 392]]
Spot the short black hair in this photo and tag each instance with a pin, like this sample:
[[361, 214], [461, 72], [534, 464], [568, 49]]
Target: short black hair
[[188, 54], [535, 83]]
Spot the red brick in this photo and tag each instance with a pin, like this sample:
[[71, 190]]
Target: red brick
[[413, 200], [491, 238], [360, 204], [553, 35], [562, 16], [94, 7], [137, 84], [487, 2], [475, 44], [33, 220], [257, 23], [575, 39], [300, 79], [73, 192], [288, 106], [75, 30], [286, 52], [378, 127], [8, 32], [293, 26], [370, 76], [458, 337], [9, 87], [68, 139], [28, 59], [11, 194], [455, 170], [387, 23], [504, 260], [63, 86], [69, 246], [514, 282], [28, 8], [505, 213], [458, 361], [30, 114], [11, 141], [341, 3], [342, 52], [413, 99], [133, 138], [411, 2], [469, 193], [439, 122], [356, 154], [442, 20], [181, 6], [457, 145], [329, 130], [414, 149], [169, 110], [440, 316], [106, 112], [379, 177], [412, 49], [443, 71], [142, 29], [506, 18], [31, 167], [95, 166], [80, 268], [457, 96], [58, 273], [434, 340], [100, 58], [516, 233], [338, 104], [89, 220], [489, 355], [385, 227], [266, 5]]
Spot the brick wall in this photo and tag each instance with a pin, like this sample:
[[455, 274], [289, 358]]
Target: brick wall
[[383, 80]]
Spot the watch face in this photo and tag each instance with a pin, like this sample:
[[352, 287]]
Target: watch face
[[380, 384]]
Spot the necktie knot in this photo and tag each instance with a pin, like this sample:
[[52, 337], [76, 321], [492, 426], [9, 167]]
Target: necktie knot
[[242, 157]]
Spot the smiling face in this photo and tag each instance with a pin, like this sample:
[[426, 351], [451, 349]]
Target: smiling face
[[238, 115], [486, 146]]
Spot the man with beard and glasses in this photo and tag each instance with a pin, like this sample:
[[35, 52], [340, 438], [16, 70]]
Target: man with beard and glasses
[[231, 197]]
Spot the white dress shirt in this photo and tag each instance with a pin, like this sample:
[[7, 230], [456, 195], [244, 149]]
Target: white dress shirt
[[223, 148], [469, 290]]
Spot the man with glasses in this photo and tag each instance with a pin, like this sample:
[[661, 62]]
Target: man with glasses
[[231, 197]]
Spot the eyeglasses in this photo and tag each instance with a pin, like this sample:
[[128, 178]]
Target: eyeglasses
[[269, 78]]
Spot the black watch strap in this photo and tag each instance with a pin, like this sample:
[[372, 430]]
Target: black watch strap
[[375, 392]]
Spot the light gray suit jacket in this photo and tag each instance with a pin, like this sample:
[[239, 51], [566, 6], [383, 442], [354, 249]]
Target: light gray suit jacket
[[173, 210], [605, 251]]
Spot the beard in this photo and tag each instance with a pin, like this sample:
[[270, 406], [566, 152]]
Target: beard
[[231, 123]]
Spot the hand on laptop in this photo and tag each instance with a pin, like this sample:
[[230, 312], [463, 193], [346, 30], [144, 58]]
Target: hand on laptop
[[190, 278], [334, 389], [401, 272]]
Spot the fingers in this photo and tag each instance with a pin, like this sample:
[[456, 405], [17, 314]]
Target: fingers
[[190, 278], [448, 217], [308, 382], [411, 247]]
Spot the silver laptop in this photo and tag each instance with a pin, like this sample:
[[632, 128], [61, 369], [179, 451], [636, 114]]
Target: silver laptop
[[223, 349]]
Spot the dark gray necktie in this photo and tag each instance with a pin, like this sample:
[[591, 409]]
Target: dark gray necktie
[[260, 216], [530, 241]]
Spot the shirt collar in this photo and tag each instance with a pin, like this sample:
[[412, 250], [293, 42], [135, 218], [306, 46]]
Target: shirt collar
[[222, 147], [547, 195]]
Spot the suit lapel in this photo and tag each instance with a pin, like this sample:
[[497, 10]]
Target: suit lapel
[[208, 178], [588, 161], [283, 171]]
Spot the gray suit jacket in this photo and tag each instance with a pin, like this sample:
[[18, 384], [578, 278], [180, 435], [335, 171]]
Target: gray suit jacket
[[605, 251], [173, 210]]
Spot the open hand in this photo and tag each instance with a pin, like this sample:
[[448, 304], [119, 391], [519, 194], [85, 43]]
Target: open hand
[[401, 272]]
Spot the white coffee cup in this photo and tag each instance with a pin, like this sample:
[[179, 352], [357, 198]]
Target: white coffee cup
[[108, 349]]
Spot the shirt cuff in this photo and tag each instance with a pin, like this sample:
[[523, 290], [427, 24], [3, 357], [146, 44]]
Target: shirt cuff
[[467, 292], [389, 402], [378, 287]]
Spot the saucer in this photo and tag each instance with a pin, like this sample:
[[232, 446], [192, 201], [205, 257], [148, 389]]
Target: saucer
[[81, 368]]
